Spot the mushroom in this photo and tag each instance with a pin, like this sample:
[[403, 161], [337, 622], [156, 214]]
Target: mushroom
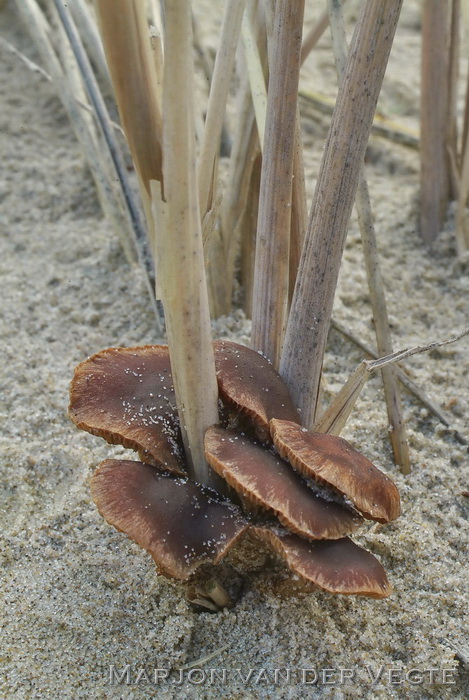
[[264, 479], [126, 396], [332, 461], [336, 566], [249, 383], [180, 523]]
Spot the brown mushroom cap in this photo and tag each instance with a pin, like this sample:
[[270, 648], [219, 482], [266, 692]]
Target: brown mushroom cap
[[126, 396], [247, 381], [263, 478], [180, 523], [332, 461], [336, 566]]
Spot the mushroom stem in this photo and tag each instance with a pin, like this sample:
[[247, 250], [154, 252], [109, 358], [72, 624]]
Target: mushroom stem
[[210, 595]]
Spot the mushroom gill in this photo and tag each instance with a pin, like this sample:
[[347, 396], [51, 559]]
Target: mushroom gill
[[249, 383], [336, 566], [126, 396], [264, 479], [332, 461]]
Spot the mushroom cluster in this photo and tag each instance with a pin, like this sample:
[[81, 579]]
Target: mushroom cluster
[[300, 492]]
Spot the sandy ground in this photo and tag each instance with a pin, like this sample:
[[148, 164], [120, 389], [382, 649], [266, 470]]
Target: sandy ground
[[84, 614]]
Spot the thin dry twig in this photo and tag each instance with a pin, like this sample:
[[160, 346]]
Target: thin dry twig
[[336, 415]]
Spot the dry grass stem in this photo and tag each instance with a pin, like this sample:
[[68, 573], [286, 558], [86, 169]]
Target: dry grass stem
[[313, 36], [82, 13], [373, 269], [220, 84], [80, 70], [335, 417], [387, 128], [271, 275], [180, 250], [238, 189], [255, 71], [299, 209], [310, 313], [247, 231], [404, 379], [453, 78], [126, 41], [337, 413], [382, 329], [434, 178], [462, 228], [105, 178]]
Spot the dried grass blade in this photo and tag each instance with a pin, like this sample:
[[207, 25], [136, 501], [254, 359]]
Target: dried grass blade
[[112, 205], [221, 78], [255, 71], [271, 276], [335, 417], [337, 413], [139, 240], [181, 262], [404, 379], [126, 41], [309, 318]]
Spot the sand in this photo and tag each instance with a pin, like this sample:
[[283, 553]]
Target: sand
[[84, 613]]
